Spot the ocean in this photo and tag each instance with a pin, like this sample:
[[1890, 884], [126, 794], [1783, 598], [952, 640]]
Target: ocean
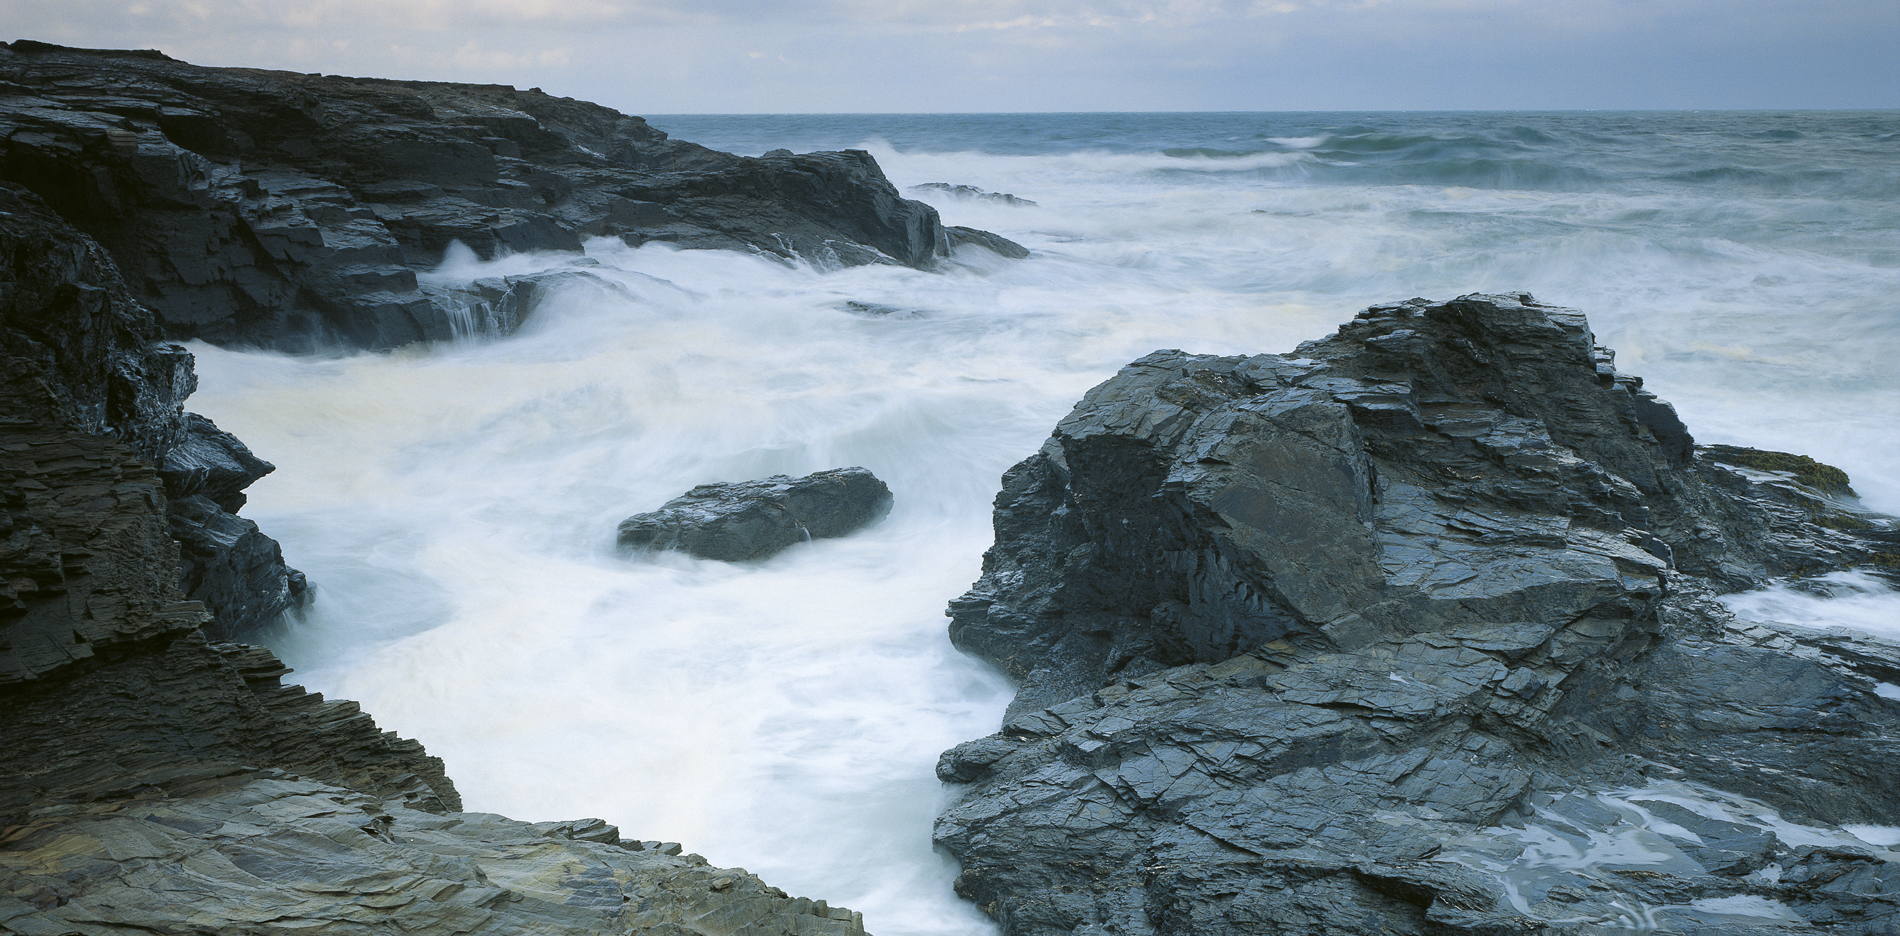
[[454, 505]]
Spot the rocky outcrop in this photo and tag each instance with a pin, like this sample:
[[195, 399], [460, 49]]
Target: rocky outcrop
[[86, 384], [105, 672], [1409, 631], [736, 521], [224, 560], [292, 211]]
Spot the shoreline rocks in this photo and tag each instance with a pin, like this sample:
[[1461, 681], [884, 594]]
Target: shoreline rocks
[[291, 211], [1351, 640], [153, 779], [743, 520], [86, 381]]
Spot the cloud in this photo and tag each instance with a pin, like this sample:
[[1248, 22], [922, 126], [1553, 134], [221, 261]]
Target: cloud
[[870, 55]]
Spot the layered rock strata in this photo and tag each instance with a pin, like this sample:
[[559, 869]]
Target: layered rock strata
[[261, 851], [153, 780], [294, 211], [86, 390], [1411, 631], [741, 520]]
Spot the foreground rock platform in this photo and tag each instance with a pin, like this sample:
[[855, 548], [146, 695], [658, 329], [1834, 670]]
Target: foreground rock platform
[[241, 850], [1413, 631], [293, 211], [737, 521]]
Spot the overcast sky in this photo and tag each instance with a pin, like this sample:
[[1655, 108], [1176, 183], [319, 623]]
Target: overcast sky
[[765, 56]]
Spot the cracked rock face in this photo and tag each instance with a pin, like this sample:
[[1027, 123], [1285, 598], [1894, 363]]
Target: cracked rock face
[[741, 520], [1367, 638]]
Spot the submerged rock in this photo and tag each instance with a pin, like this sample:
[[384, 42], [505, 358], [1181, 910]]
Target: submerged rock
[[971, 193], [1360, 639], [497, 305], [880, 310], [743, 520]]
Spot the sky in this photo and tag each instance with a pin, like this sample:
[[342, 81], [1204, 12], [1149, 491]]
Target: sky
[[934, 56]]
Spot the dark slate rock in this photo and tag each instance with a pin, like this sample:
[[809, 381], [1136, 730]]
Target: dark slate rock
[[294, 211], [237, 571], [224, 560], [88, 387], [79, 351], [743, 520], [1361, 639], [104, 669], [211, 463]]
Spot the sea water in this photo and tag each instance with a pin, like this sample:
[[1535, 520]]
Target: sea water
[[454, 505]]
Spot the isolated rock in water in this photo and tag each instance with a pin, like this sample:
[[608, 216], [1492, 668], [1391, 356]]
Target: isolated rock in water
[[995, 243], [972, 193], [755, 519], [1362, 639]]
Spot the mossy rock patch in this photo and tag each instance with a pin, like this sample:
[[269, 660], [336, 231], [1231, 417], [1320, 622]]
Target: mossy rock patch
[[1822, 477]]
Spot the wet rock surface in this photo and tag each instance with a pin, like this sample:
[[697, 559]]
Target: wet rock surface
[[294, 211], [736, 521], [228, 849], [93, 400], [1413, 631]]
